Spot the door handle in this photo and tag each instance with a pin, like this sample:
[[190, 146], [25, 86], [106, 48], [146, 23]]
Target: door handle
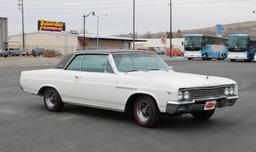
[[78, 77]]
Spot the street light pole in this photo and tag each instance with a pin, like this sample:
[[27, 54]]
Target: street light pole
[[170, 28], [21, 7], [84, 33], [84, 17], [23, 25], [98, 18], [133, 36]]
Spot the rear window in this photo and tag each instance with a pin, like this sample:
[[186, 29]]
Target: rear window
[[64, 62]]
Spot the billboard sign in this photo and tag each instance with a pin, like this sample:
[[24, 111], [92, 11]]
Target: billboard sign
[[51, 26]]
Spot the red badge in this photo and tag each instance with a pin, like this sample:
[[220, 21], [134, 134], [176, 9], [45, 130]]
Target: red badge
[[210, 105]]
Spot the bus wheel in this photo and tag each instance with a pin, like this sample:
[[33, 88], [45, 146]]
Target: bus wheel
[[189, 58], [224, 56], [205, 57], [232, 60]]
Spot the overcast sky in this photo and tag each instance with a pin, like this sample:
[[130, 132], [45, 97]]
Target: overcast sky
[[151, 15]]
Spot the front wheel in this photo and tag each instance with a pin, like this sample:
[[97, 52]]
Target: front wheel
[[205, 57], [52, 100], [146, 112], [203, 115]]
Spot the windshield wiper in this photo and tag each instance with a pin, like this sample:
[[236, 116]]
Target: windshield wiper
[[157, 69], [134, 70], [154, 69]]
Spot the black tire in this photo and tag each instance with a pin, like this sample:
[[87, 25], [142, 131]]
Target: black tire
[[52, 100], [189, 59], [232, 60], [203, 115], [224, 56], [150, 116], [249, 60], [206, 57]]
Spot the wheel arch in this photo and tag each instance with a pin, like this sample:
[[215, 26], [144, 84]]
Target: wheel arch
[[44, 87], [131, 100]]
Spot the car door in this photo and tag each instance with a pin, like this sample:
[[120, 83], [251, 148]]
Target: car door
[[96, 82], [68, 78]]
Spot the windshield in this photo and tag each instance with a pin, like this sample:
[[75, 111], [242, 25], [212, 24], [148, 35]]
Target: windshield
[[139, 61], [238, 43], [193, 43]]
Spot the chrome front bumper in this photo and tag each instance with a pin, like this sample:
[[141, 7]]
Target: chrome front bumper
[[198, 105]]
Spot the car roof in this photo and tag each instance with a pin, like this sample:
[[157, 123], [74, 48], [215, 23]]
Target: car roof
[[63, 63], [106, 51]]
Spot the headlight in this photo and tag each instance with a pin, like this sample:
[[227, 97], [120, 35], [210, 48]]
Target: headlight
[[232, 90], [180, 96], [186, 95], [226, 92]]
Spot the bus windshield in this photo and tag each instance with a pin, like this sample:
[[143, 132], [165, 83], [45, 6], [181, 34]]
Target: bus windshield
[[193, 43], [238, 43]]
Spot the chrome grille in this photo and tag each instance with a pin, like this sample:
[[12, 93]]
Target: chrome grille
[[206, 93]]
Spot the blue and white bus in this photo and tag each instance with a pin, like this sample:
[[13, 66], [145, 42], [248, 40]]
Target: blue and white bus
[[241, 47], [205, 47]]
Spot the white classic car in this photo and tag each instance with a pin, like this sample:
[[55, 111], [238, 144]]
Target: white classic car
[[140, 83]]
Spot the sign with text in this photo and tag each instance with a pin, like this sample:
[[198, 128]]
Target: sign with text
[[51, 26]]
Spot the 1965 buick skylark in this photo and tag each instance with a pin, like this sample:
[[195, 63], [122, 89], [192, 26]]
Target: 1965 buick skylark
[[140, 83]]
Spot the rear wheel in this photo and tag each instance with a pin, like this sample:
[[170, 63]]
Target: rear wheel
[[189, 58], [52, 100], [146, 112], [206, 57], [224, 56], [203, 115]]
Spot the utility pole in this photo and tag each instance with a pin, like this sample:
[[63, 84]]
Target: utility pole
[[170, 28], [84, 33], [98, 24], [85, 16], [133, 35], [21, 7]]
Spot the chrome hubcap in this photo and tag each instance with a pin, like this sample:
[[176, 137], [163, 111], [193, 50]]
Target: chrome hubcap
[[143, 111], [50, 99]]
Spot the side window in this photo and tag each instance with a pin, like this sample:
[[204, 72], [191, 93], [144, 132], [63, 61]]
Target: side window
[[75, 65], [96, 63], [124, 62]]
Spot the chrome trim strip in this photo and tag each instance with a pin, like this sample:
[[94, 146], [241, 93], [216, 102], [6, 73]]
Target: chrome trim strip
[[126, 88], [179, 103], [208, 87], [204, 99], [94, 106], [211, 98]]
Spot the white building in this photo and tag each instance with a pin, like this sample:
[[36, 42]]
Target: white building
[[64, 42], [159, 43], [67, 43]]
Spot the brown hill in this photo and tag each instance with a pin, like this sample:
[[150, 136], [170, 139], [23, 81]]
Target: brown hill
[[234, 28]]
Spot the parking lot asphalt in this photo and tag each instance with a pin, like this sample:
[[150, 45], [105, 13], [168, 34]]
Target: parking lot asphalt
[[26, 126]]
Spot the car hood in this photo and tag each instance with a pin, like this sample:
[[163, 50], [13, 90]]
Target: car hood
[[182, 80]]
